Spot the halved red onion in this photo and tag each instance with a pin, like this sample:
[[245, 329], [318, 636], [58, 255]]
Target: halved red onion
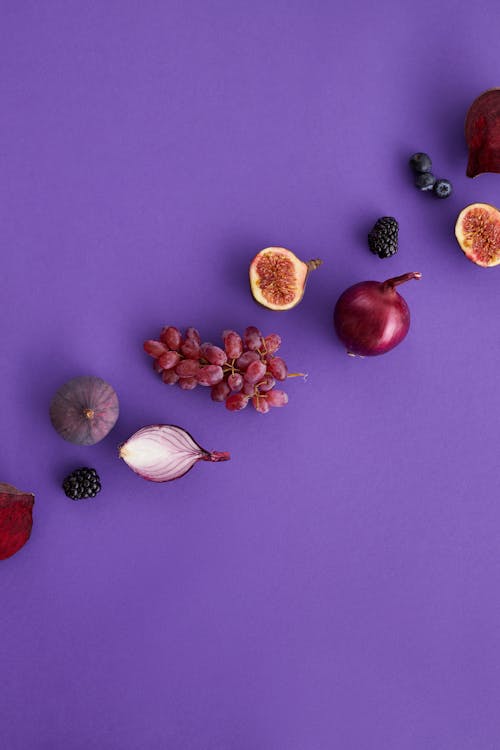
[[162, 452]]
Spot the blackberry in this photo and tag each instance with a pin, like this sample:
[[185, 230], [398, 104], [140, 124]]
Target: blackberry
[[442, 188], [425, 181], [383, 239], [420, 163], [82, 483]]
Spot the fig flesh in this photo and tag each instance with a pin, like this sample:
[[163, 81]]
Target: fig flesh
[[16, 519], [478, 233], [482, 133], [278, 278], [84, 410]]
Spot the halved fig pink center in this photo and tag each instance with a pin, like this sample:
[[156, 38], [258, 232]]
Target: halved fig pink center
[[277, 278], [482, 234]]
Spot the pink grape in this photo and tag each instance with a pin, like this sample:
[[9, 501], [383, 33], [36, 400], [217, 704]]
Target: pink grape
[[232, 344], [187, 368], [171, 336], [235, 381], [267, 383], [252, 338], [220, 391], [187, 384], [255, 371], [210, 375], [193, 334], [277, 398], [248, 388], [168, 360], [272, 343], [260, 404], [245, 359], [157, 367], [191, 349], [169, 377], [236, 402], [154, 348], [277, 367], [213, 354]]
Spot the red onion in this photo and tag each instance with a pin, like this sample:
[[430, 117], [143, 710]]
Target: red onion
[[371, 317], [162, 452]]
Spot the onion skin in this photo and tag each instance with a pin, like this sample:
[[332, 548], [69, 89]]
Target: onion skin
[[371, 318], [164, 452]]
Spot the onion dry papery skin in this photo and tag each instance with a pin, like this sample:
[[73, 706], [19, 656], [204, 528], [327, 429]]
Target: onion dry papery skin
[[371, 318], [163, 452]]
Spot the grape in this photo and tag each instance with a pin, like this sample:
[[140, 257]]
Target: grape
[[210, 375], [154, 348], [168, 360], [235, 381], [272, 343], [277, 367], [191, 349], [232, 344], [236, 402], [157, 367], [187, 368], [171, 336], [220, 391], [193, 335], [255, 371], [187, 384], [267, 383], [277, 398], [245, 359], [252, 338], [248, 388], [213, 354], [260, 404], [169, 377]]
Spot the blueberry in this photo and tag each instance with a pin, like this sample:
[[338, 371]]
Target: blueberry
[[442, 188], [420, 163], [425, 181]]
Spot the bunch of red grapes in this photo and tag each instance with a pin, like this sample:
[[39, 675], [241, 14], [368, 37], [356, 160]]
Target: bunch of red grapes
[[246, 369]]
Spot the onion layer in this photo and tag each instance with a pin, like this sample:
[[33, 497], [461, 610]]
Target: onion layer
[[162, 452]]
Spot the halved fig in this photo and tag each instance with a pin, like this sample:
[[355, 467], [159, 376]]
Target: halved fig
[[278, 278], [482, 133], [478, 233]]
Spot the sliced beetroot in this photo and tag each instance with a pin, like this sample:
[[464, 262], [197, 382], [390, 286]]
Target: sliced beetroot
[[16, 519], [482, 133]]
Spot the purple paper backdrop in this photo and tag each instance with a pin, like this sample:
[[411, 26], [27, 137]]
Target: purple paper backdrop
[[337, 583]]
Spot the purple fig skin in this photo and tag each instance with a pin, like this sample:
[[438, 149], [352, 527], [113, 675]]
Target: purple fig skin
[[84, 410]]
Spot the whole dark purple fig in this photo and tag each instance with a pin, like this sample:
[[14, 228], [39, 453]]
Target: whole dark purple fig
[[84, 410]]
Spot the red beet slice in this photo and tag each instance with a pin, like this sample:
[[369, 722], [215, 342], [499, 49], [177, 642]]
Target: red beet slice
[[482, 133], [16, 519]]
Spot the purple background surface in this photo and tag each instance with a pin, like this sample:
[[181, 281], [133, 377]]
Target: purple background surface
[[336, 584]]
